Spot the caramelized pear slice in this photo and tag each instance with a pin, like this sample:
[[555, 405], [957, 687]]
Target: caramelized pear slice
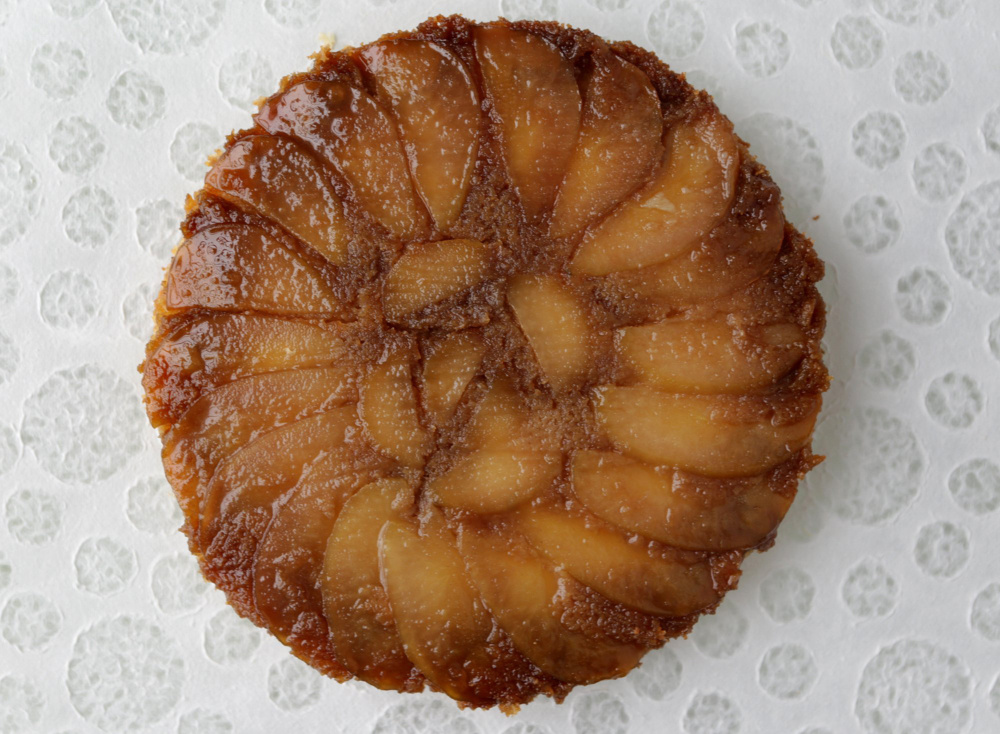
[[445, 629], [535, 96], [239, 267], [495, 480], [225, 419], [240, 500], [668, 216], [709, 356], [432, 272], [432, 96], [389, 410], [718, 436], [362, 627], [619, 143], [289, 563], [629, 570], [220, 348], [282, 182], [680, 509], [521, 590], [555, 322], [450, 363], [734, 254], [349, 130]]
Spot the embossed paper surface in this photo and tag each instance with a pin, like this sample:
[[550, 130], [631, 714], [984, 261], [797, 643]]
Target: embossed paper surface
[[878, 610]]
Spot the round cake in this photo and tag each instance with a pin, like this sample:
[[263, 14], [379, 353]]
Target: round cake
[[486, 358]]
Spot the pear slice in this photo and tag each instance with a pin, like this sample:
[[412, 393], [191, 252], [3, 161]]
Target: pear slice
[[239, 503], [619, 146], [450, 363], [445, 628], [680, 509], [350, 131], [495, 480], [432, 272], [629, 570], [521, 590], [718, 435], [555, 322], [289, 562], [734, 254], [535, 97], [667, 218], [709, 356], [240, 267], [282, 182], [389, 410], [227, 418], [362, 626], [220, 348], [434, 99]]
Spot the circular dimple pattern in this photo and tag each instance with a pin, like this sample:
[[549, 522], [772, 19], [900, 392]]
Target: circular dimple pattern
[[10, 285], [72, 9], [804, 520], [83, 424], [177, 584], [762, 49], [658, 676], [243, 77], [230, 639], [722, 634], [676, 28], [975, 486], [34, 516], [985, 617], [923, 297], [137, 311], [59, 70], [973, 238], [156, 227], [10, 448], [876, 469], [417, 716], [151, 507], [10, 357], [293, 13], [192, 144], [954, 400], [942, 549], [599, 713], [104, 566], [124, 673], [914, 12], [203, 721], [878, 138], [793, 158], [787, 671], [712, 713], [523, 9], [21, 704], [76, 145], [857, 42], [921, 77], [292, 685], [869, 589], [6, 571], [90, 217], [887, 361], [914, 687], [991, 130], [20, 193], [166, 28], [939, 171], [136, 100], [873, 223], [787, 595], [68, 300], [29, 621]]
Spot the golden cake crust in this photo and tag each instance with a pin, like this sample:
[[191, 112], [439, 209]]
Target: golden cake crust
[[380, 375]]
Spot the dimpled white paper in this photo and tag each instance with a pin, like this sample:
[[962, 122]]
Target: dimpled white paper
[[877, 611]]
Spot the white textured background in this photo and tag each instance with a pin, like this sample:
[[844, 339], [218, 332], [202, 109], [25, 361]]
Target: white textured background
[[879, 609]]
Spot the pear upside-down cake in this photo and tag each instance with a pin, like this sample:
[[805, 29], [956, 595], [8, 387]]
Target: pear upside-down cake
[[486, 359]]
